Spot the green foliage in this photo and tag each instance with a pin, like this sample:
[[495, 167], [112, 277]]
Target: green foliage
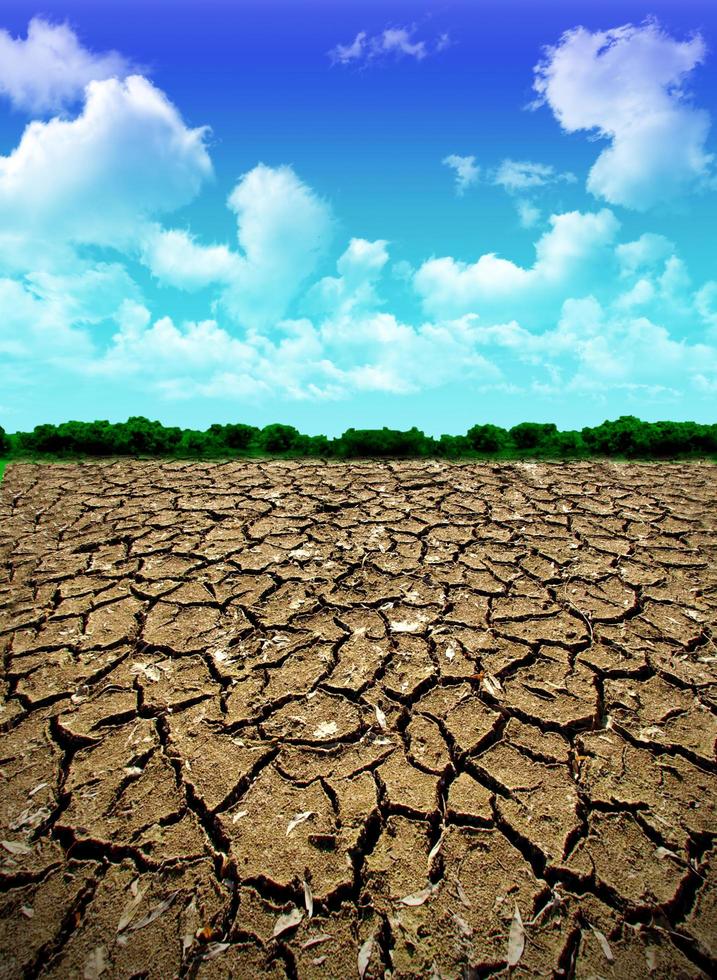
[[568, 443], [532, 435], [277, 438], [453, 447], [487, 438], [233, 436], [626, 436], [384, 442]]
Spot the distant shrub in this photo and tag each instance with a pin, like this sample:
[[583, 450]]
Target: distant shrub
[[195, 443], [627, 436], [568, 443], [453, 447], [532, 435], [277, 438], [487, 438], [234, 436], [385, 442]]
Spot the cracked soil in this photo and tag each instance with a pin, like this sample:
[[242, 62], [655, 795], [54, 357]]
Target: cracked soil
[[294, 719]]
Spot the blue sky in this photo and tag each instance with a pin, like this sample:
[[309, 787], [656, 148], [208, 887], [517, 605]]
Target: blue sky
[[337, 214]]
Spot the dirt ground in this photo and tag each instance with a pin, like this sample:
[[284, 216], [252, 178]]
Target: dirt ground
[[288, 719]]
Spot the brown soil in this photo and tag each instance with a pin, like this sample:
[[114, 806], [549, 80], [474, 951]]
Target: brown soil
[[289, 719]]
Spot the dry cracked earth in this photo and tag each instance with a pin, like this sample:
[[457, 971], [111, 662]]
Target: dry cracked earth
[[287, 719]]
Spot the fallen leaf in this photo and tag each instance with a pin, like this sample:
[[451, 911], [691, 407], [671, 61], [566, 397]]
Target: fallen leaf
[[308, 898], [364, 957], [96, 963], [492, 685], [154, 914], [238, 815], [215, 949], [380, 717], [604, 945], [326, 729], [297, 819], [287, 921], [516, 939], [130, 909], [37, 788], [418, 898], [462, 896], [15, 847], [315, 940], [436, 848], [651, 958]]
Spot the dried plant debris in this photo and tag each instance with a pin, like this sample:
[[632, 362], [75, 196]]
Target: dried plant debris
[[294, 719]]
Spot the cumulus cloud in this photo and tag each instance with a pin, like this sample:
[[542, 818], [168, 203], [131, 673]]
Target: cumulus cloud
[[392, 42], [283, 231], [48, 70], [283, 228], [176, 258], [466, 171], [494, 286], [95, 179], [597, 349], [359, 268], [585, 312], [643, 253], [628, 85]]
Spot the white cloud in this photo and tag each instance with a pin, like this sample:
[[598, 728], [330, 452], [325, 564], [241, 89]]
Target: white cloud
[[706, 305], [599, 349], [520, 175], [344, 53], [393, 41], [96, 179], [398, 39], [283, 230], [48, 70], [178, 260], [628, 86], [528, 213], [359, 268], [643, 253], [493, 286], [37, 327], [467, 173]]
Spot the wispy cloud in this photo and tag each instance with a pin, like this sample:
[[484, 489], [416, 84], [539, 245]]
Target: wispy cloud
[[521, 175], [394, 42], [466, 171]]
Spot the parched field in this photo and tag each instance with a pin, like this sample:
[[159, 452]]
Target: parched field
[[289, 719]]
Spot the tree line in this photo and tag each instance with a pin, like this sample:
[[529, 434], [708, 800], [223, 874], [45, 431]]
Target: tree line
[[626, 436]]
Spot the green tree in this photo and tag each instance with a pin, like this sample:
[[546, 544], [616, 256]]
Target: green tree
[[277, 438], [385, 442], [487, 438], [234, 435], [532, 435]]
